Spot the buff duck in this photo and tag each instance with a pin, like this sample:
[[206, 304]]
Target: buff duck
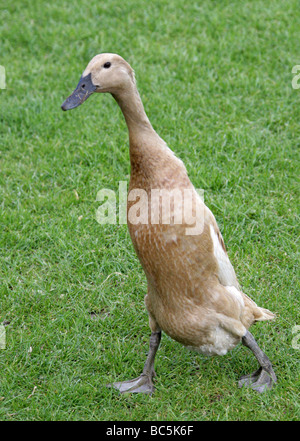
[[193, 294]]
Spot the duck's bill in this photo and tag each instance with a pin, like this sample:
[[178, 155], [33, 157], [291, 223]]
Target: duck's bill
[[84, 89]]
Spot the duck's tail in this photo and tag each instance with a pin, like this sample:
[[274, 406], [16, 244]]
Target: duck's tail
[[254, 313], [264, 314]]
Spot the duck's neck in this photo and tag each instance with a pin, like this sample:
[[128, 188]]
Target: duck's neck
[[132, 107], [151, 160]]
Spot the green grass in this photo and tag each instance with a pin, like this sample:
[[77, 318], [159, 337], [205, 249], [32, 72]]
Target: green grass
[[215, 78]]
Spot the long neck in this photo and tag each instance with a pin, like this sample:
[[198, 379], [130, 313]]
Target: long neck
[[132, 107], [143, 139], [151, 159]]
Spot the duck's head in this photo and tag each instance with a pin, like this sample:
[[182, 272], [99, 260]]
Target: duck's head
[[104, 73]]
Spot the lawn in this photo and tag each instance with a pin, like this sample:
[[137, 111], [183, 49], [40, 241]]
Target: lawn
[[216, 82]]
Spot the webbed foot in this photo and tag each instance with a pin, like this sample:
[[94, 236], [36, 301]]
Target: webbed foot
[[260, 380], [141, 384], [264, 378]]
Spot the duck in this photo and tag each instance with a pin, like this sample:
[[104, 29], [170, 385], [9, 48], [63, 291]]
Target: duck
[[193, 294]]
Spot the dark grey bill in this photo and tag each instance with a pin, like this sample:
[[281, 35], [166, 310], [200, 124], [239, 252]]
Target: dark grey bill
[[84, 89]]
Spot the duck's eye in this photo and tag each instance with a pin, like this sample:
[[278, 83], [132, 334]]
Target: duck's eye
[[107, 65]]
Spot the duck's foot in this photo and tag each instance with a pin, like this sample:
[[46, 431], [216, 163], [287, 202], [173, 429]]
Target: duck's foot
[[264, 378], [141, 384], [247, 380], [259, 380]]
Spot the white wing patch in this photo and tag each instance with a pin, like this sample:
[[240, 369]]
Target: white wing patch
[[226, 272], [236, 294]]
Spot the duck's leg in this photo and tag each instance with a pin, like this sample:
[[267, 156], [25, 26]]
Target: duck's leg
[[144, 382], [264, 378]]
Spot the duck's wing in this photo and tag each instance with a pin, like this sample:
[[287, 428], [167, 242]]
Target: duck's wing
[[227, 277], [226, 273]]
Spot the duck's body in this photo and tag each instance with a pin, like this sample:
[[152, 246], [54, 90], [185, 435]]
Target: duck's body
[[193, 293]]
